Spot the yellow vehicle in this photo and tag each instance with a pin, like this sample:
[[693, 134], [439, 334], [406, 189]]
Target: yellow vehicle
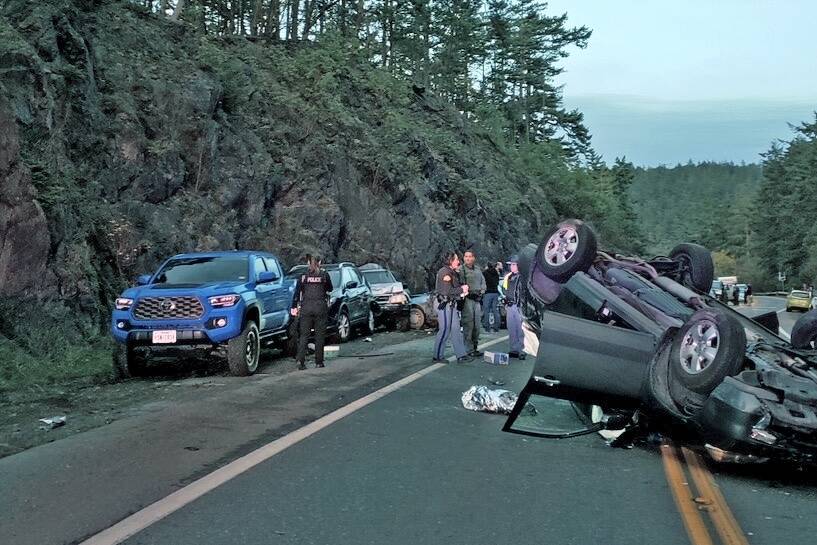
[[798, 299]]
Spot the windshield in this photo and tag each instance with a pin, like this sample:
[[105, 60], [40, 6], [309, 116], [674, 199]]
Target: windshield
[[379, 277], [203, 270], [800, 294]]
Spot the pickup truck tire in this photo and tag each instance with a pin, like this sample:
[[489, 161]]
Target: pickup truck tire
[[244, 351], [700, 269], [126, 363], [568, 247], [804, 332], [708, 348]]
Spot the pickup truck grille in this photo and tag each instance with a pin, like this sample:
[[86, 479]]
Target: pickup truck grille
[[163, 308]]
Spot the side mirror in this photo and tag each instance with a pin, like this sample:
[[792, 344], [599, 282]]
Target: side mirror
[[143, 279], [266, 277], [350, 285]]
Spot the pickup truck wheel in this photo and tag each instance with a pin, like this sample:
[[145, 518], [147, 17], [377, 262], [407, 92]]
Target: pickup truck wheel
[[290, 345], [708, 348], [126, 363], [417, 318], [568, 247], [804, 332], [698, 265], [244, 351]]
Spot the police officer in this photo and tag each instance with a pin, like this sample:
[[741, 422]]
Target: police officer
[[472, 307], [311, 305], [449, 294], [513, 303]]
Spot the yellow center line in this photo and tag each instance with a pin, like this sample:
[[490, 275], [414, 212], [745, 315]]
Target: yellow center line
[[725, 522], [684, 500]]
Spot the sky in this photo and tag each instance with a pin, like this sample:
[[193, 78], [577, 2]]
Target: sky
[[667, 82]]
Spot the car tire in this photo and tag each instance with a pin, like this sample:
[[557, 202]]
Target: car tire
[[403, 324], [804, 332], [126, 363], [244, 351], [568, 247], [700, 269], [344, 327], [708, 348], [417, 318], [290, 346], [370, 325]]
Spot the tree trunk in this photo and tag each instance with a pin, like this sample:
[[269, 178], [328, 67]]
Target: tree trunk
[[360, 16], [309, 8], [293, 18], [342, 15], [384, 36], [178, 11], [273, 24], [256, 17], [164, 6]]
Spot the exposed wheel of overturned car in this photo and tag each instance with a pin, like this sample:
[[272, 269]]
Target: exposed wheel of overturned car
[[568, 247], [699, 269], [708, 348], [804, 332]]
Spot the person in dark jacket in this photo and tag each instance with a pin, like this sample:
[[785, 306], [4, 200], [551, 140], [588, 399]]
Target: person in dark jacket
[[449, 294], [513, 302], [492, 274], [311, 306]]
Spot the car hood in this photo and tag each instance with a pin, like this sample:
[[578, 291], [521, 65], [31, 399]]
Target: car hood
[[171, 290], [387, 289]]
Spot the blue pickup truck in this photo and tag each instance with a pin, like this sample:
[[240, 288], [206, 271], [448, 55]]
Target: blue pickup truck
[[227, 303]]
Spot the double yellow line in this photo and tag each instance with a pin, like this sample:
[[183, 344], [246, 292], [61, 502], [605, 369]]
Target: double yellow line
[[706, 498]]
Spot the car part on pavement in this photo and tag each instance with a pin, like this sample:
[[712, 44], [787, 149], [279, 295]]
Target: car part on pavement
[[482, 398]]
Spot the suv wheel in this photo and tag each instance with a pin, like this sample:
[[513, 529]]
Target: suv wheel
[[569, 247], [126, 363], [244, 351], [708, 348], [699, 269], [344, 326], [418, 318]]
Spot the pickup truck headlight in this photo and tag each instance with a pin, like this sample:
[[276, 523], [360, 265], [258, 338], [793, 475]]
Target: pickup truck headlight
[[123, 303], [223, 301], [398, 299]]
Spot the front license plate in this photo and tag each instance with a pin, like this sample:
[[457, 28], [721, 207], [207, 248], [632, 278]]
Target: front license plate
[[164, 337]]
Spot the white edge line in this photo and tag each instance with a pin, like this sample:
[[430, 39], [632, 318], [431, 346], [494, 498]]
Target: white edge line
[[160, 509]]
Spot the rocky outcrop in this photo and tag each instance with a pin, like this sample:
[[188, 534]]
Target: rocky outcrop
[[24, 240], [146, 139]]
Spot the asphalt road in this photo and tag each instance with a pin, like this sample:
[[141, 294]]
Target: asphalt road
[[412, 466]]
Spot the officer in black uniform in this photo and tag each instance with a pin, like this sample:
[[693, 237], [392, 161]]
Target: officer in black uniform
[[311, 304], [449, 295]]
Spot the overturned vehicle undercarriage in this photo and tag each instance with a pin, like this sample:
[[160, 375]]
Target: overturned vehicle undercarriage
[[642, 337]]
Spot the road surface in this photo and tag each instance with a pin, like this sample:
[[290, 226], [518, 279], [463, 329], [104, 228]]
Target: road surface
[[407, 465]]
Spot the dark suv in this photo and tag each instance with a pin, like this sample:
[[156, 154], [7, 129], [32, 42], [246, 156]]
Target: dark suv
[[350, 303]]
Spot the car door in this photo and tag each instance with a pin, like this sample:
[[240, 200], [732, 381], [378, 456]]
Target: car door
[[264, 293], [280, 294], [364, 293], [352, 294]]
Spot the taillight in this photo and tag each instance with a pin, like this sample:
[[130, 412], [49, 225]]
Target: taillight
[[222, 301], [123, 303]]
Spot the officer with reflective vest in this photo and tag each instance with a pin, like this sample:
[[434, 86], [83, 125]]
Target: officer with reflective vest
[[311, 304], [449, 293], [512, 284]]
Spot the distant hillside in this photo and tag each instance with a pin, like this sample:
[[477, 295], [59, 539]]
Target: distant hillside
[[706, 203]]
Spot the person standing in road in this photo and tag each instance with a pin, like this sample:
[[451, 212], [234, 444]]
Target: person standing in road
[[490, 305], [449, 293], [513, 303], [472, 309], [310, 304]]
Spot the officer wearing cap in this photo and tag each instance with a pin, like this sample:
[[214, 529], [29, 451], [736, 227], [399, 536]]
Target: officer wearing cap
[[449, 294], [311, 306], [513, 303]]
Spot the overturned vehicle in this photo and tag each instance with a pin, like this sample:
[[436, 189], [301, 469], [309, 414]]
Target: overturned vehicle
[[642, 339]]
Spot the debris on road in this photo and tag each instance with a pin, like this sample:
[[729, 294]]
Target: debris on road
[[331, 351], [496, 382], [53, 422], [483, 398], [367, 340], [496, 358]]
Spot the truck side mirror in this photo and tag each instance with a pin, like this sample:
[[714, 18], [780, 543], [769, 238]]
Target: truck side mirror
[[266, 277], [350, 285], [143, 280]]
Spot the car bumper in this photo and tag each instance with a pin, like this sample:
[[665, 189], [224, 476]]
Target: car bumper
[[730, 421], [201, 332], [802, 305], [385, 311]]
